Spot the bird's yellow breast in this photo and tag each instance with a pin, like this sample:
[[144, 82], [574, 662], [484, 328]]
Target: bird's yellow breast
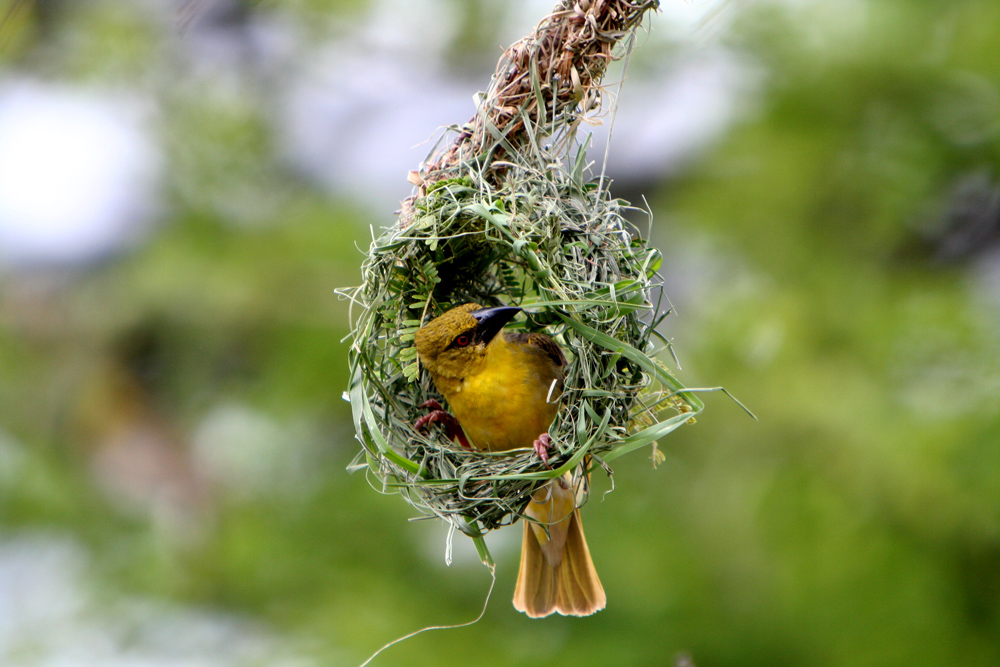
[[508, 402]]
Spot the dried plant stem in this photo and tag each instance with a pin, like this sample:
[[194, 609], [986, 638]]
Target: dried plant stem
[[543, 85]]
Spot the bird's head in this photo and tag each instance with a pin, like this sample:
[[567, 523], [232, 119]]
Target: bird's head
[[454, 344]]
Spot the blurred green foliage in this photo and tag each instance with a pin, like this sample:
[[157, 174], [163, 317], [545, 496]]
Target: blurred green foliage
[[858, 523]]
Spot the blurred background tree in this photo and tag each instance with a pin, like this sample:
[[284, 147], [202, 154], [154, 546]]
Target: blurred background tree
[[183, 185]]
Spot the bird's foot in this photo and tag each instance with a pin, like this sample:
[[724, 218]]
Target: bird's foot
[[437, 415], [542, 445]]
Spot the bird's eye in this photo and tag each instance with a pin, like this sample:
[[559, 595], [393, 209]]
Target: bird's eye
[[462, 340]]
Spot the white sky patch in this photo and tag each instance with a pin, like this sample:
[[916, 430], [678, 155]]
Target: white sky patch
[[78, 174]]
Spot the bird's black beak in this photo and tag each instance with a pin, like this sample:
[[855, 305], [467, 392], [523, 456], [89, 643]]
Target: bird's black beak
[[491, 320]]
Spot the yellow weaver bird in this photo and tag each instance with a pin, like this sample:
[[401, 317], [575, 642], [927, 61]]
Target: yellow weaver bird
[[503, 389]]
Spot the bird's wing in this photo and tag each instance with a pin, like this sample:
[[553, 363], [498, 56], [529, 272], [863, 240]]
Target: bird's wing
[[542, 342]]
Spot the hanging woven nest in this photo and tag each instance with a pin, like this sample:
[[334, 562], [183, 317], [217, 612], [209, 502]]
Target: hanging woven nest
[[505, 215]]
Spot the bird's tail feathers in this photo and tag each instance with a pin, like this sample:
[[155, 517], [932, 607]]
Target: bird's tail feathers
[[566, 585]]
